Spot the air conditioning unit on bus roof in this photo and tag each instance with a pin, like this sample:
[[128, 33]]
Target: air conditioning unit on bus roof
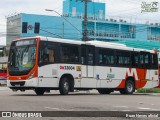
[[106, 43], [120, 20], [157, 24], [111, 20]]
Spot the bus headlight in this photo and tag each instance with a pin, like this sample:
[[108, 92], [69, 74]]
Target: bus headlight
[[31, 76]]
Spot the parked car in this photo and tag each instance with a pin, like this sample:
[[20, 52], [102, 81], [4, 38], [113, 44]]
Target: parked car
[[3, 77]]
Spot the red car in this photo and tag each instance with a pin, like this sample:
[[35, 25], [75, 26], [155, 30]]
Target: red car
[[3, 77], [159, 77]]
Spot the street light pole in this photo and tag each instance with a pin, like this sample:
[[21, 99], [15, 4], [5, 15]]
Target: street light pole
[[63, 18]]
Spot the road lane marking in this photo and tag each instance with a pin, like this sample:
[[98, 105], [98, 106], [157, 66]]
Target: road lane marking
[[142, 108], [125, 110], [59, 109], [121, 106]]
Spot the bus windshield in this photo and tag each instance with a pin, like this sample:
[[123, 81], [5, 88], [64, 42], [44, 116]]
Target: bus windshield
[[22, 58]]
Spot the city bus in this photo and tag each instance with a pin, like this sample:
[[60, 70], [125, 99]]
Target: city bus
[[43, 64]]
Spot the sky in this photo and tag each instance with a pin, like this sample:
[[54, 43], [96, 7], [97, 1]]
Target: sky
[[130, 9]]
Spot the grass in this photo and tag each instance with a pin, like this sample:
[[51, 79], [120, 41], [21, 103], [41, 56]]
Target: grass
[[148, 90]]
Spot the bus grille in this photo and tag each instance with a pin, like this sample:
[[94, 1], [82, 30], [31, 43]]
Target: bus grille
[[17, 83]]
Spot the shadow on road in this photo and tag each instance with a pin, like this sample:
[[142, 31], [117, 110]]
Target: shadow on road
[[84, 94]]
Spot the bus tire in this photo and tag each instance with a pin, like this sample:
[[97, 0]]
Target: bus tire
[[39, 91], [129, 87], [104, 91], [64, 86]]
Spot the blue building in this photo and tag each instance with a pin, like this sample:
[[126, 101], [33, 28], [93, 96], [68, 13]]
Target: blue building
[[100, 27], [75, 8]]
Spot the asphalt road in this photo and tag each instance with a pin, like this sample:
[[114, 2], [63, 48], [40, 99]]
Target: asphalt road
[[78, 101]]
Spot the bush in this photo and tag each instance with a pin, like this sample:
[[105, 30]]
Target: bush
[[148, 90]]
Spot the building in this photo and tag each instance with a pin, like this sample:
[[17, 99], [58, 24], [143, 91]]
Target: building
[[2, 51], [100, 27], [24, 25]]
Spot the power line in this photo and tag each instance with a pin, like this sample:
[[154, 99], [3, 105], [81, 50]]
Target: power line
[[64, 19]]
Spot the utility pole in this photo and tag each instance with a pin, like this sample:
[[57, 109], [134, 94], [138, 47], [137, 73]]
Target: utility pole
[[85, 21], [63, 30]]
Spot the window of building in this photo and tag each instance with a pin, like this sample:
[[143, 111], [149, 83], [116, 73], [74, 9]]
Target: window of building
[[74, 11], [101, 14], [36, 27], [24, 27]]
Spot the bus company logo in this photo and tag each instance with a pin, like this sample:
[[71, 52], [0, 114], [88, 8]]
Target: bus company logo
[[78, 68], [67, 68], [149, 7], [132, 72], [61, 67], [6, 114], [21, 114]]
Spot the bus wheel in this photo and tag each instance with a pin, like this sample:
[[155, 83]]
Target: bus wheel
[[64, 86], [39, 91], [104, 91], [129, 87]]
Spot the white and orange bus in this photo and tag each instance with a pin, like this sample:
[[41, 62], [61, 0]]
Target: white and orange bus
[[43, 64]]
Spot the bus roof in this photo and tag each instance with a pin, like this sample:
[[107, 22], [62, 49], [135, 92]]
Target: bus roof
[[94, 43]]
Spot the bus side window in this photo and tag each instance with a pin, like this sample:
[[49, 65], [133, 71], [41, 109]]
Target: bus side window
[[146, 60], [69, 54], [141, 57], [46, 56], [90, 56], [135, 59], [51, 55], [154, 61]]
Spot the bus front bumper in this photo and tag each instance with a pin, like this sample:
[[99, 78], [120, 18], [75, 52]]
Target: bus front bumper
[[23, 83]]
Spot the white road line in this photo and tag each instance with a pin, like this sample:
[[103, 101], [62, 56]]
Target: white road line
[[142, 108], [52, 108], [59, 109], [151, 109], [125, 110], [114, 110], [121, 106]]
